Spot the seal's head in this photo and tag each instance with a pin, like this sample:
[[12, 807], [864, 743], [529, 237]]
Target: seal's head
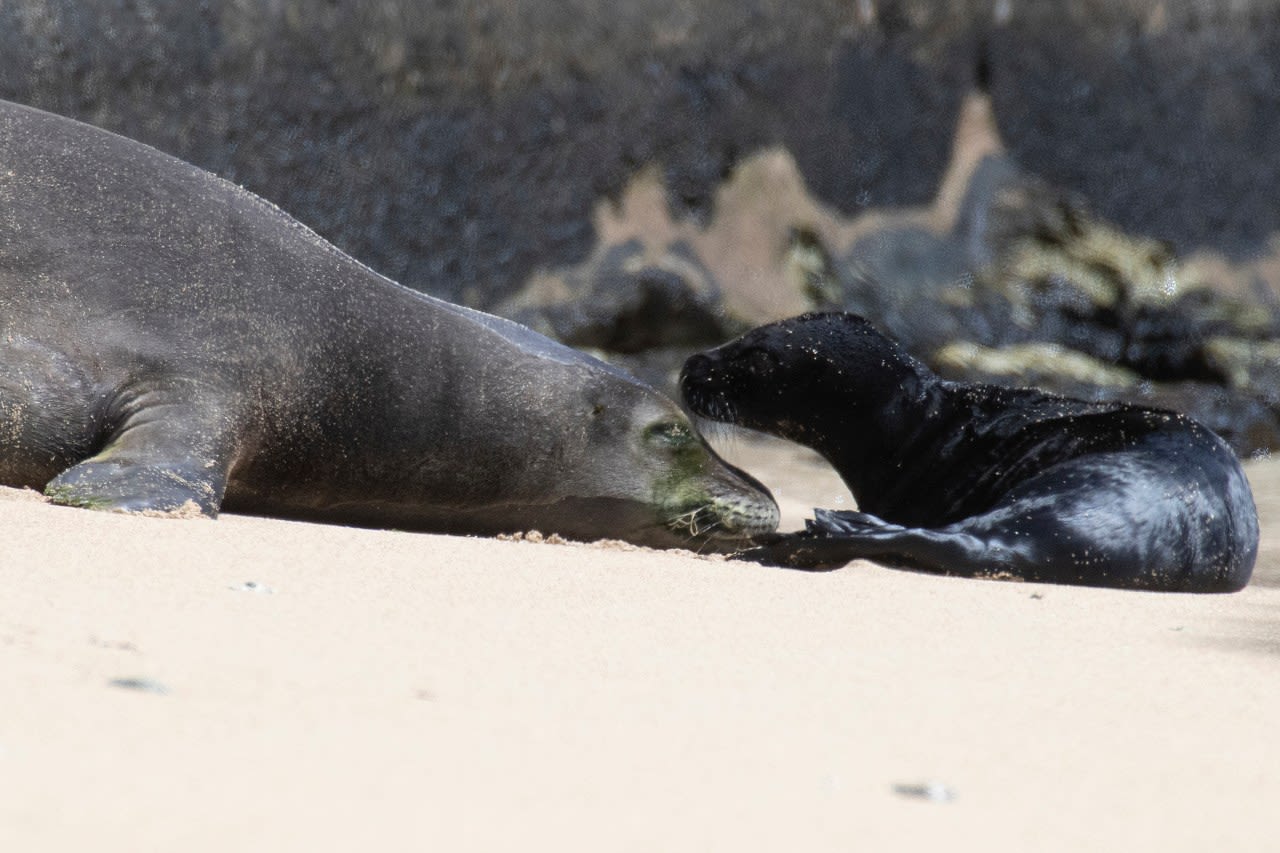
[[562, 442], [646, 464], [804, 379]]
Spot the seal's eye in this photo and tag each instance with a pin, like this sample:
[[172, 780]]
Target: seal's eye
[[669, 433]]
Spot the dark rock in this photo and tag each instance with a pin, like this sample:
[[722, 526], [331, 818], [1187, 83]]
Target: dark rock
[[1246, 416], [625, 299], [911, 282], [1249, 424], [1155, 112], [460, 148], [1249, 366]]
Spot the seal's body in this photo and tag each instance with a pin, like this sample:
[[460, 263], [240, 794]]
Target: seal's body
[[979, 480], [168, 340]]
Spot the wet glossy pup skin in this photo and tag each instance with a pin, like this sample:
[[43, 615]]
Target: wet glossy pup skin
[[975, 480]]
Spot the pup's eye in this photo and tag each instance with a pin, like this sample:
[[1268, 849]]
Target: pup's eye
[[670, 433]]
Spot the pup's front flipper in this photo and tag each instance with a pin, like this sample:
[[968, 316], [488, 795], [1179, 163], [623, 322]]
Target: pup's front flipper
[[799, 551], [830, 539], [833, 538]]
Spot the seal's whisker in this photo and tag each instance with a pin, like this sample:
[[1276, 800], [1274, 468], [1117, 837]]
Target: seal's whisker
[[706, 542], [683, 521], [714, 410], [724, 411], [715, 522], [697, 521], [691, 520], [717, 432]]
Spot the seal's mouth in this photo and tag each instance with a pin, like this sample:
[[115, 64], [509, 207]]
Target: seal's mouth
[[734, 507], [725, 520]]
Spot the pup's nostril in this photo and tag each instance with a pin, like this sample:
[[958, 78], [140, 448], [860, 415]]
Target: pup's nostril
[[696, 365], [696, 369]]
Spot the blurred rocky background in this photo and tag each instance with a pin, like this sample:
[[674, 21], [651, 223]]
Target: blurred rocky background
[[1083, 195]]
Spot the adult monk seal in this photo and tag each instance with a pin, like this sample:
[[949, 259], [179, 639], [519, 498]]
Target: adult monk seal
[[168, 340], [980, 480]]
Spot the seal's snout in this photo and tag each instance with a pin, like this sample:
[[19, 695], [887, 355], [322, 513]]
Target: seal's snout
[[743, 508], [751, 482]]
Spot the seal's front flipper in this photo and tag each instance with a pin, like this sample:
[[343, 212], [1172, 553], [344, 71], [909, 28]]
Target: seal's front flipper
[[173, 487], [166, 456]]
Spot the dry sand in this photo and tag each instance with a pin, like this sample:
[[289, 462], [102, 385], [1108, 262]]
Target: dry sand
[[389, 691]]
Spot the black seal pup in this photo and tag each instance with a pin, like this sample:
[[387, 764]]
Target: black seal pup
[[978, 480], [170, 342]]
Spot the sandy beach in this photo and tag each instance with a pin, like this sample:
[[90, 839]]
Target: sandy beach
[[261, 685]]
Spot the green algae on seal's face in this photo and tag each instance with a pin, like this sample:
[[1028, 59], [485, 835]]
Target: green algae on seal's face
[[697, 498]]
